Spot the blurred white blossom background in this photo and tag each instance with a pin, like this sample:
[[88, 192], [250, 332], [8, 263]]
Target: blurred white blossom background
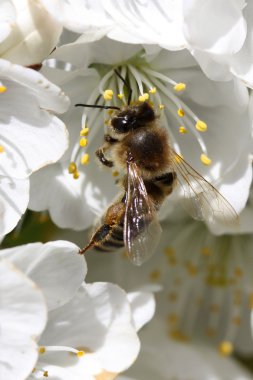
[[185, 314]]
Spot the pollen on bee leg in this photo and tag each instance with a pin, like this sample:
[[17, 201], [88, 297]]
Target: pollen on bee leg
[[115, 173], [85, 159], [201, 126], [108, 94], [72, 168], [2, 150], [182, 130], [205, 160], [152, 90], [180, 112], [180, 87], [225, 348], [83, 142], [144, 97]]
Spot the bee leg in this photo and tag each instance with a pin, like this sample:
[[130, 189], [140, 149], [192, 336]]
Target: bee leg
[[101, 233], [100, 155]]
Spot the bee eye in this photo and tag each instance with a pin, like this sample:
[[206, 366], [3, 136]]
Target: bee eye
[[121, 124]]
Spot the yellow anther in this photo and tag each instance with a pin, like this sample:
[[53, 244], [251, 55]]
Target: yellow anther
[[201, 126], [155, 275], [108, 94], [172, 297], [42, 350], [76, 175], [182, 130], [161, 106], [45, 374], [178, 335], [34, 369], [84, 131], [205, 251], [225, 348], [120, 96], [144, 97], [2, 89], [2, 149], [180, 112], [237, 321], [72, 168], [172, 319], [211, 332], [152, 90], [85, 159], [238, 272], [115, 173], [169, 251], [192, 269], [79, 354], [205, 160], [180, 87], [83, 142]]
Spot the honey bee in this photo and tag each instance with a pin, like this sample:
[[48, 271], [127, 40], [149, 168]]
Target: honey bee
[[137, 146]]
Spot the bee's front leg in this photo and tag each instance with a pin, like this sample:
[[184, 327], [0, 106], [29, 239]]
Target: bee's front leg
[[101, 156]]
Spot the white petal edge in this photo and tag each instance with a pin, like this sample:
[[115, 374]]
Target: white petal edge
[[56, 267]]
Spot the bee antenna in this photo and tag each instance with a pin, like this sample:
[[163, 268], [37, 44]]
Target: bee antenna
[[97, 106], [127, 86]]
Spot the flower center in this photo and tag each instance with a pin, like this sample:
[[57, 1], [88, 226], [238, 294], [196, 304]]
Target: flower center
[[204, 290], [39, 371], [141, 83]]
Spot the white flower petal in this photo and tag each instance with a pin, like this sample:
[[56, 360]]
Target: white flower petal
[[163, 359], [18, 355], [229, 33], [33, 34], [71, 203], [143, 307], [217, 71], [34, 138], [55, 267], [101, 324], [78, 15], [105, 51], [7, 17], [48, 95], [14, 197], [22, 318], [241, 63], [134, 24]]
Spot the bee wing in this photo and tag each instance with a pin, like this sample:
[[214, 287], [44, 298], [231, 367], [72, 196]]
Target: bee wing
[[202, 200], [141, 228]]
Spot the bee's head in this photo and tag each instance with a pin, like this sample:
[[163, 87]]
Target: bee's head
[[133, 117]]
